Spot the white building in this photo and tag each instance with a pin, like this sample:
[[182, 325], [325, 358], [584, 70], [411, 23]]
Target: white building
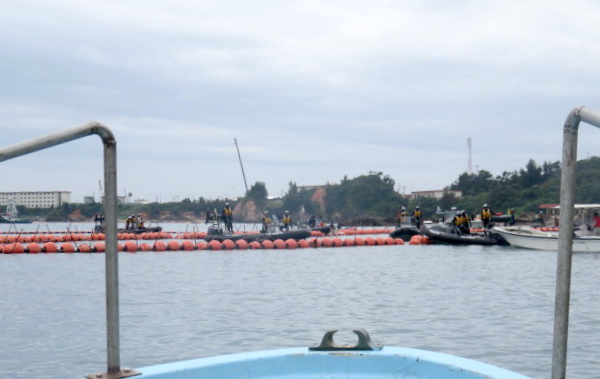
[[42, 199], [435, 194]]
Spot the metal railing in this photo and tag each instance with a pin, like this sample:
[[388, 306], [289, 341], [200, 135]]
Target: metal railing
[[110, 212], [565, 237], [564, 256]]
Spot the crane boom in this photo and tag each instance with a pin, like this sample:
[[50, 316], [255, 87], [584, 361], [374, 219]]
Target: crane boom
[[241, 165]]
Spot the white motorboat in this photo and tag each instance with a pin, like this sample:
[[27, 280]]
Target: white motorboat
[[530, 238]]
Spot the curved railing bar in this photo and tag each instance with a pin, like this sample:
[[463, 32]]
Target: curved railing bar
[[565, 243], [110, 213]]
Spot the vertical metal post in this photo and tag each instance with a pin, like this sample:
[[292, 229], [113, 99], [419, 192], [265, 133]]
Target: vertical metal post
[[565, 247], [565, 242], [114, 370], [111, 258]]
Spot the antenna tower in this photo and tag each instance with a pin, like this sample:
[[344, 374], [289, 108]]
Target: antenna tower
[[470, 162]]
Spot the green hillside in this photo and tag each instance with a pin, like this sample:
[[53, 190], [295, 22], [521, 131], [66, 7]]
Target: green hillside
[[368, 198]]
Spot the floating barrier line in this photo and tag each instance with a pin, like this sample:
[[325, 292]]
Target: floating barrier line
[[186, 245]]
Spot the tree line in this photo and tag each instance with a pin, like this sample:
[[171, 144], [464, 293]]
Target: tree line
[[373, 196]]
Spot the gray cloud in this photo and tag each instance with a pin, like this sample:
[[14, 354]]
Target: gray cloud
[[312, 91]]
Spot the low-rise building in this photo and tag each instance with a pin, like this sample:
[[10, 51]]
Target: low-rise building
[[36, 199], [435, 194]]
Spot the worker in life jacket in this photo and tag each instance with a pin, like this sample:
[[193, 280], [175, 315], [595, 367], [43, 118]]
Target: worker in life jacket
[[286, 221], [417, 217], [140, 221], [511, 213], [486, 216], [465, 226], [540, 219], [457, 222], [227, 216], [266, 221], [401, 216]]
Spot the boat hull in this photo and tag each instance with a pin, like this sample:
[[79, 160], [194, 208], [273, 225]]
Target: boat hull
[[405, 232], [294, 234], [14, 221], [388, 362], [441, 235], [150, 229], [528, 238]]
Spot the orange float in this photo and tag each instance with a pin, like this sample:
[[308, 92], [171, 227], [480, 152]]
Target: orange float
[[416, 240], [241, 244], [67, 247], [85, 248], [173, 246], [159, 246], [50, 247], [214, 245], [34, 248], [337, 242], [145, 247], [254, 245], [228, 245], [14, 248], [130, 246], [326, 242], [291, 243], [23, 239], [278, 244]]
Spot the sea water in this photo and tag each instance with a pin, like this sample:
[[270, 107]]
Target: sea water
[[491, 304]]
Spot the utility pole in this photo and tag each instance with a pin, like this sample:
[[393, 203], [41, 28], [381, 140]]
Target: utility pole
[[470, 163], [241, 165], [101, 191]]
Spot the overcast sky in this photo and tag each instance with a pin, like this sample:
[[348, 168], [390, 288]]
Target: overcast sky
[[312, 90]]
